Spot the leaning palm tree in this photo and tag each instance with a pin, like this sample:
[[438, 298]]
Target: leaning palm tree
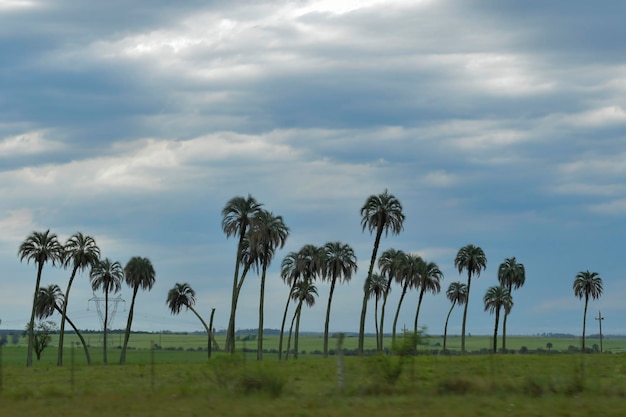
[[182, 295], [429, 278], [237, 216], [49, 300], [495, 299], [587, 284], [139, 273], [80, 252], [340, 265], [39, 247], [511, 276], [306, 264], [407, 275], [389, 264], [457, 294], [303, 292], [473, 260], [268, 233], [376, 287], [380, 213], [108, 276]]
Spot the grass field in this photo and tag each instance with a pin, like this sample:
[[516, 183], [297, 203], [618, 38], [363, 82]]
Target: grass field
[[163, 383]]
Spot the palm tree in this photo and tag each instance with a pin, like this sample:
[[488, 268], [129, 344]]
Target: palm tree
[[376, 287], [407, 274], [587, 284], [429, 278], [139, 273], [340, 265], [496, 298], [108, 276], [380, 213], [48, 301], [182, 295], [268, 233], [389, 264], [473, 260], [237, 216], [81, 252], [306, 264], [511, 276], [304, 291], [39, 247], [457, 294]]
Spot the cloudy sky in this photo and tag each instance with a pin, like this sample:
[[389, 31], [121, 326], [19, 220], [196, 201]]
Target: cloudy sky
[[501, 124]]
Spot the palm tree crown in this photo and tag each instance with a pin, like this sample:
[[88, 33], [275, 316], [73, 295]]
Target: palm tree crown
[[383, 211], [139, 273], [41, 247], [81, 252], [181, 295], [511, 274], [496, 298], [588, 285], [457, 293], [49, 299], [107, 275]]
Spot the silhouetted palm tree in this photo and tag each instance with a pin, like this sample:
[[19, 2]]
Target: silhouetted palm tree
[[389, 264], [237, 216], [457, 294], [473, 260], [511, 276], [303, 292], [80, 252], [380, 213], [139, 273], [495, 299], [340, 265], [107, 276], [429, 277], [182, 295], [49, 300], [268, 233], [39, 247], [587, 284], [376, 287], [407, 275]]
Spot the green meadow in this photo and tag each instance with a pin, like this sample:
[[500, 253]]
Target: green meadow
[[179, 379]]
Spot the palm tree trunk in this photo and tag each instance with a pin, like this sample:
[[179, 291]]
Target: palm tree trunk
[[31, 325], [297, 336], [293, 319], [585, 321], [106, 325], [382, 315], [63, 317], [80, 336], [495, 332], [282, 327], [469, 283], [128, 324], [212, 336], [376, 321], [417, 314], [259, 350], [379, 233], [330, 299], [395, 319], [230, 332], [207, 328], [506, 315], [445, 329]]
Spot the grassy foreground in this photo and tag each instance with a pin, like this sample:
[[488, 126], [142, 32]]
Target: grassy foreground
[[475, 385]]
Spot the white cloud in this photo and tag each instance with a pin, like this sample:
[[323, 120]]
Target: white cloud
[[26, 144]]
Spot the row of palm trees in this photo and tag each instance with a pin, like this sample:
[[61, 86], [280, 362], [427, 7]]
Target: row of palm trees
[[80, 252]]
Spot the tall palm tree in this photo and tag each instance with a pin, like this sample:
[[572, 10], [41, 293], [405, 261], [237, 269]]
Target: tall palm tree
[[268, 233], [473, 260], [182, 295], [429, 278], [376, 287], [389, 264], [407, 275], [237, 216], [108, 276], [587, 284], [80, 252], [139, 273], [457, 294], [39, 247], [340, 265], [306, 264], [380, 213], [511, 276], [495, 299], [49, 300], [303, 292]]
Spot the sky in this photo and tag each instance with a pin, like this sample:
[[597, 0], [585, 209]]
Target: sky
[[501, 124]]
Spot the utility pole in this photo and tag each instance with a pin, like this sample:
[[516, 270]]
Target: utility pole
[[600, 318]]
